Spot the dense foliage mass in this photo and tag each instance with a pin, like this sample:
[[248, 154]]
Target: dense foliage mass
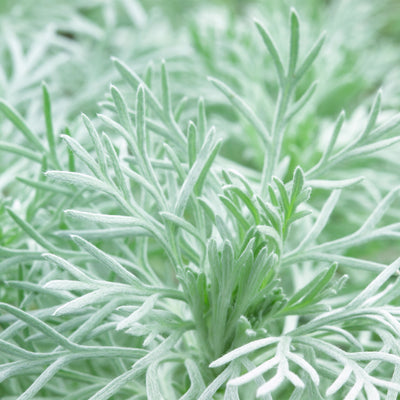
[[196, 205]]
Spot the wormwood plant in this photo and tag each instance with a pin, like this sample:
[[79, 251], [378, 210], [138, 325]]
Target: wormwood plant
[[148, 266]]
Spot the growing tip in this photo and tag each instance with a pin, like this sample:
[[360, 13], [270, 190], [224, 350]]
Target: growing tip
[[294, 19], [293, 12], [257, 23], [76, 239], [140, 89]]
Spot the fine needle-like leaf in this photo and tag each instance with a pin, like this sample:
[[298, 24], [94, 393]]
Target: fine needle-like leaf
[[321, 221], [310, 57], [107, 261], [100, 153], [12, 114], [244, 109], [294, 42], [49, 124], [195, 178], [269, 43]]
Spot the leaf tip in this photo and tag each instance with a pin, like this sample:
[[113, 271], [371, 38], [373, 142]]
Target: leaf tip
[[57, 312], [214, 364], [294, 16]]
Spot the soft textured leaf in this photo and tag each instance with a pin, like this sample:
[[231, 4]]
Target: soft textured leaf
[[12, 114]]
